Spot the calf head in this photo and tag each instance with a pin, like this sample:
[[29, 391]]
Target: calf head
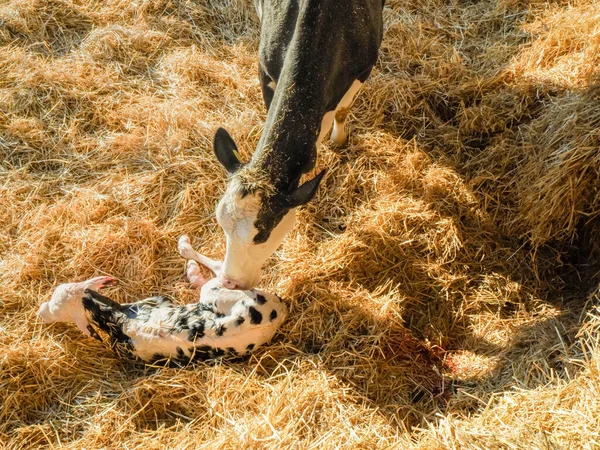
[[254, 214], [66, 298]]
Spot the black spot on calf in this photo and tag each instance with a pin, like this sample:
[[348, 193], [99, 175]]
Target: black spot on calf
[[220, 330], [93, 333], [240, 320], [158, 357], [273, 315], [216, 352], [200, 353], [182, 322], [204, 352], [260, 299], [255, 315], [196, 331], [202, 307], [106, 315]]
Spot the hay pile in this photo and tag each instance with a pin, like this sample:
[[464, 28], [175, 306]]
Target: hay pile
[[443, 286]]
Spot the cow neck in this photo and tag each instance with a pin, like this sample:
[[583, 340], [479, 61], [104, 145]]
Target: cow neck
[[287, 149]]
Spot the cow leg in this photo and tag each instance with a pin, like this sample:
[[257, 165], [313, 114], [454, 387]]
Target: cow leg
[[339, 137], [325, 127], [268, 86]]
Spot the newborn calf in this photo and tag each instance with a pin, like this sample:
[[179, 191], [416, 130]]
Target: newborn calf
[[223, 322]]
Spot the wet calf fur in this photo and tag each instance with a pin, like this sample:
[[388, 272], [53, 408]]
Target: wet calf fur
[[223, 322], [154, 329]]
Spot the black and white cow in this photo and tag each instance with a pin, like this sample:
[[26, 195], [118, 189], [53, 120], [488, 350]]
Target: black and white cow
[[314, 56]]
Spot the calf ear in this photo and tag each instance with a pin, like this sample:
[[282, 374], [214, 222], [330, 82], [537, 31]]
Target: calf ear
[[306, 192], [226, 151]]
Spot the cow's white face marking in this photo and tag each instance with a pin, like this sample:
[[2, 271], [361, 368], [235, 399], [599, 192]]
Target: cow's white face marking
[[250, 240], [255, 214]]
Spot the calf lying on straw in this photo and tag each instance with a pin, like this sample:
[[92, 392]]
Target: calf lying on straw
[[223, 322]]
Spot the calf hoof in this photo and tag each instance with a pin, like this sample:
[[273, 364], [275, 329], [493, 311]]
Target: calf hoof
[[193, 274], [184, 246]]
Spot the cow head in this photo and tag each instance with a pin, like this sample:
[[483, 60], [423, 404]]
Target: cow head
[[254, 215]]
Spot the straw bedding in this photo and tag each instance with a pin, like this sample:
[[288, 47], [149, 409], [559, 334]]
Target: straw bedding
[[443, 285]]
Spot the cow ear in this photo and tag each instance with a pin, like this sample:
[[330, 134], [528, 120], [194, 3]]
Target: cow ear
[[226, 151], [306, 192]]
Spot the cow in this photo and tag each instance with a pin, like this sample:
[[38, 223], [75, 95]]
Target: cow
[[314, 56]]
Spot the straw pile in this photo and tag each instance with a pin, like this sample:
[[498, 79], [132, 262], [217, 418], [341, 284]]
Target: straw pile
[[443, 286]]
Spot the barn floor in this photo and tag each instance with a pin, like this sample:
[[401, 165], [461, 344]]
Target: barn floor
[[444, 285]]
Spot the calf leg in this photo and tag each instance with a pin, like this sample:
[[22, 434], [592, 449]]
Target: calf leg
[[267, 85], [193, 274], [187, 251]]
